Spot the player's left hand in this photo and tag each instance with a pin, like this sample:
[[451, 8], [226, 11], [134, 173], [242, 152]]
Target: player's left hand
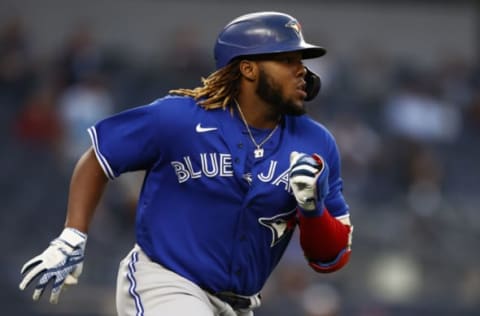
[[61, 263], [308, 179]]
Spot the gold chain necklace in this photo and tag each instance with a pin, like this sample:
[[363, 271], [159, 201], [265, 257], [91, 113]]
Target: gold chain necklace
[[258, 152]]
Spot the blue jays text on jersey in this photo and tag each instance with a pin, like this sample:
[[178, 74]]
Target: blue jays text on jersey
[[208, 210]]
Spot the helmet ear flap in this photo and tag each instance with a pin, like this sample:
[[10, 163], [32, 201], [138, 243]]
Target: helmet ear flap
[[313, 84]]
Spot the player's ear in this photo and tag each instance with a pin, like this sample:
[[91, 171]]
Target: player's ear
[[248, 69]]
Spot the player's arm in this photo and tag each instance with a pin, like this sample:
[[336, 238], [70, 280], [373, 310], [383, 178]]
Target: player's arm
[[86, 188], [62, 262], [325, 240]]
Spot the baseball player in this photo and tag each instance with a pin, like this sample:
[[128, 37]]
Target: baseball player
[[232, 168]]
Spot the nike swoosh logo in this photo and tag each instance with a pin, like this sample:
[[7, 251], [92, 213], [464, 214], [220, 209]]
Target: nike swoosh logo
[[200, 129]]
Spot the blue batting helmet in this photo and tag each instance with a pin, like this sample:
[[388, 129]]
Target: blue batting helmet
[[262, 33]]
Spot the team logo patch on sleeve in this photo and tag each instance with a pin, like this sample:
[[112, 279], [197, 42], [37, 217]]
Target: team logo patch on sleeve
[[281, 225]]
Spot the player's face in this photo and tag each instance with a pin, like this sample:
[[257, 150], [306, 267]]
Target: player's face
[[281, 83]]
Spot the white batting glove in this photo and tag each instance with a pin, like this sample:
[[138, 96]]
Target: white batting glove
[[61, 263], [308, 179]]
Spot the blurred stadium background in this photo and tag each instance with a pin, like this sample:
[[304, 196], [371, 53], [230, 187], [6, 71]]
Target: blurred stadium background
[[401, 93]]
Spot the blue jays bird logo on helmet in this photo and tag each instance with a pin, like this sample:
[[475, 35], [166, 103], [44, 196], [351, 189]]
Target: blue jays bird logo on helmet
[[295, 26]]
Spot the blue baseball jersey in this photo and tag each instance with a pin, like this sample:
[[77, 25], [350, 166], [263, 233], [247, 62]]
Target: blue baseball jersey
[[208, 209]]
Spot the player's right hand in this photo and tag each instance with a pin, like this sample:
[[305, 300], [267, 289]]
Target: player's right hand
[[61, 263], [308, 179]]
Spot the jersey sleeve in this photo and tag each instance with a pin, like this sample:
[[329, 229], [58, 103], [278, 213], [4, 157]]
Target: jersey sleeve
[[335, 201], [127, 141]]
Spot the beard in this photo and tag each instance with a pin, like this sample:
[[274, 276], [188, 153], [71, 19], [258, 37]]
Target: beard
[[271, 92]]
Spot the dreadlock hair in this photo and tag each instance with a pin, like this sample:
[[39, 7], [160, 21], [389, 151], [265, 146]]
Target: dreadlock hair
[[218, 89]]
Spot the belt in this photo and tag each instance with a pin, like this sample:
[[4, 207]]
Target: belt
[[239, 302]]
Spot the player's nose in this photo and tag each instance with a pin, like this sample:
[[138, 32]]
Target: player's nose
[[302, 70]]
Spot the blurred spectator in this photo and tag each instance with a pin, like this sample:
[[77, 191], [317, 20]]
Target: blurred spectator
[[470, 286], [180, 63], [79, 58], [371, 66], [81, 105], [415, 113], [321, 299], [184, 53], [454, 78], [38, 123], [360, 146], [16, 68], [472, 113], [394, 277], [425, 181]]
